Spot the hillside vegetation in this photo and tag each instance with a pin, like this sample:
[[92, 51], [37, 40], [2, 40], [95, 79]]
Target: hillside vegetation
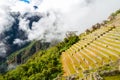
[[44, 65]]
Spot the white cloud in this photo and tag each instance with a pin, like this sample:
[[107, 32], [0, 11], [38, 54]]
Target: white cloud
[[61, 5], [5, 19], [81, 14], [19, 42], [23, 25], [2, 49]]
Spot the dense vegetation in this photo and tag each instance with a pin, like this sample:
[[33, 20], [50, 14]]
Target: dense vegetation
[[44, 65]]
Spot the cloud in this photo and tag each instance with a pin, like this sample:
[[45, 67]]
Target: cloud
[[5, 19], [2, 49], [19, 42], [78, 15], [49, 27]]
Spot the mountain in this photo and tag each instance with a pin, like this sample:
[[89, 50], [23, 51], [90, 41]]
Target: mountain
[[15, 41], [13, 37], [93, 55]]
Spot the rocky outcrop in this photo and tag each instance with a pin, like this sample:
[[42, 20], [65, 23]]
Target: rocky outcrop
[[22, 55]]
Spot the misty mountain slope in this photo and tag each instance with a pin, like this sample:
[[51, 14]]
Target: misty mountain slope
[[13, 37], [44, 65], [22, 55], [26, 27], [14, 40]]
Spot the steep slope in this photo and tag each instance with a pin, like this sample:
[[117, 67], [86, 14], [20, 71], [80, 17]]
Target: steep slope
[[98, 49], [44, 65], [13, 38], [22, 55]]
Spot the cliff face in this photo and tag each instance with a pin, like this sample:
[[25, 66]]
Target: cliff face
[[22, 55]]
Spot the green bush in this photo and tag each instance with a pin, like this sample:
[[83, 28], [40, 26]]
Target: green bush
[[117, 12]]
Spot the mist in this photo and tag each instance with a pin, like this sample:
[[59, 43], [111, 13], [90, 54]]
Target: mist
[[46, 20]]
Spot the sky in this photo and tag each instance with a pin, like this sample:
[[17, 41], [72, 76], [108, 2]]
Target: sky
[[58, 17], [27, 1]]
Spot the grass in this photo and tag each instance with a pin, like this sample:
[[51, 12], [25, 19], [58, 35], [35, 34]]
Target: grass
[[116, 77]]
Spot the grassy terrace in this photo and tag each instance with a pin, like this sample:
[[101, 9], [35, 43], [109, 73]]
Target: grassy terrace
[[92, 51]]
